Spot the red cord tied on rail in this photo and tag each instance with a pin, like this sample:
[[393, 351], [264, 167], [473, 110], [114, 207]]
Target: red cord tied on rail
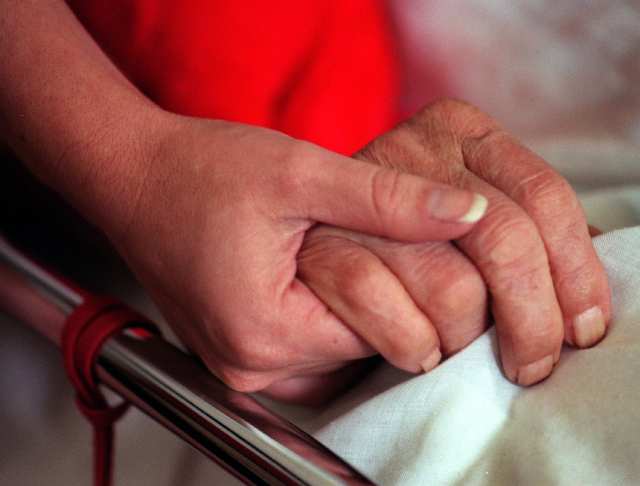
[[87, 328]]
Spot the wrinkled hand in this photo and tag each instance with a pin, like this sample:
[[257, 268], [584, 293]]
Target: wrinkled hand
[[214, 229], [532, 252]]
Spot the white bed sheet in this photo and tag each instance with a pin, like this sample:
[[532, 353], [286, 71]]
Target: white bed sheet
[[463, 423]]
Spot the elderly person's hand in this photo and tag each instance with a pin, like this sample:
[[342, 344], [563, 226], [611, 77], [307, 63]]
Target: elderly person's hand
[[532, 251]]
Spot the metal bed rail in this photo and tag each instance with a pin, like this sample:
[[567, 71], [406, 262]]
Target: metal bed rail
[[231, 428]]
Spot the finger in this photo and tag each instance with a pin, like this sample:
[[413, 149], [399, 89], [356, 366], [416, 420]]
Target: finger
[[580, 281], [365, 197], [297, 335], [507, 249], [442, 282], [312, 332], [365, 295]]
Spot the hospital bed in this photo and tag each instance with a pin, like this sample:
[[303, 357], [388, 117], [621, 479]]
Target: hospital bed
[[463, 423], [231, 428]]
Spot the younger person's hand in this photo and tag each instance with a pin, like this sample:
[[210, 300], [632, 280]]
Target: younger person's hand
[[212, 223]]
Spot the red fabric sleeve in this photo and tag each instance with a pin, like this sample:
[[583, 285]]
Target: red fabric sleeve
[[322, 71]]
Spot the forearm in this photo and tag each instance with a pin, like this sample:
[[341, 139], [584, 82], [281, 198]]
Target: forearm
[[68, 112]]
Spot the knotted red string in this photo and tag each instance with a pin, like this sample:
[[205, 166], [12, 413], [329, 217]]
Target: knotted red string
[[84, 333]]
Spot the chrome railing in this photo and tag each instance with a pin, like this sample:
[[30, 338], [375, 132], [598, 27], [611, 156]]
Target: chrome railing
[[231, 428]]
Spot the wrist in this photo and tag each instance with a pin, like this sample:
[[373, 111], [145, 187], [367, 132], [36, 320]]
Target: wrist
[[104, 175]]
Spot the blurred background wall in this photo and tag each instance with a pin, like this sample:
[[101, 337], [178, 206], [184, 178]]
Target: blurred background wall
[[563, 75], [542, 67]]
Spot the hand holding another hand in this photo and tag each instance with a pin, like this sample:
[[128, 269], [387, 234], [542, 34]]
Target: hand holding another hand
[[531, 254], [280, 263], [212, 227]]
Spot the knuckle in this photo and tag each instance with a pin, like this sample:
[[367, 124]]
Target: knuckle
[[447, 106], [419, 147], [359, 276], [390, 150], [507, 237], [461, 294], [297, 163], [462, 118], [480, 145], [521, 277], [548, 195], [328, 262], [512, 250], [386, 193], [484, 147], [462, 301]]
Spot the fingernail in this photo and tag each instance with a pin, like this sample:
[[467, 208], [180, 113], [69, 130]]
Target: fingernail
[[588, 327], [535, 372], [449, 204], [477, 209], [432, 360]]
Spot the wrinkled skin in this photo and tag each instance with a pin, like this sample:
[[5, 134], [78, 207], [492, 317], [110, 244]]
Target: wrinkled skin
[[213, 225], [232, 228], [531, 254], [281, 264]]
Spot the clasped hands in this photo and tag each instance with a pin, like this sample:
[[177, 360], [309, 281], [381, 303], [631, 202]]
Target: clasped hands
[[281, 264]]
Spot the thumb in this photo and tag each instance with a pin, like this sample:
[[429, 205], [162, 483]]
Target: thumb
[[368, 198]]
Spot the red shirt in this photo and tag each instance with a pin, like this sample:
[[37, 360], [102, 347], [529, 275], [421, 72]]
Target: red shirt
[[322, 71]]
